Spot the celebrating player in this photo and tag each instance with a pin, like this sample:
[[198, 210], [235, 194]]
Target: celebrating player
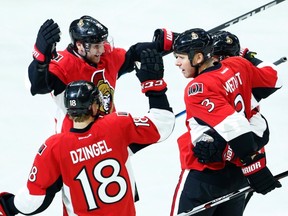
[[218, 99], [226, 44], [88, 162], [90, 56]]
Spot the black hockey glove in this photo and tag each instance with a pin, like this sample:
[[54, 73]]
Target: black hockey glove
[[212, 148], [259, 176], [151, 72], [45, 46], [5, 198], [250, 56]]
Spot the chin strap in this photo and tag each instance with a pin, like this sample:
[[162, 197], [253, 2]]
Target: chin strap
[[196, 66]]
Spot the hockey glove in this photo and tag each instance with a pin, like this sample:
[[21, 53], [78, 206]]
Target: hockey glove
[[212, 148], [250, 56], [164, 38], [259, 176], [4, 197], [45, 46], [151, 72]]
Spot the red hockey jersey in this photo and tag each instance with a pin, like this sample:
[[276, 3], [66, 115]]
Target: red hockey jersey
[[220, 98], [68, 68], [89, 165]]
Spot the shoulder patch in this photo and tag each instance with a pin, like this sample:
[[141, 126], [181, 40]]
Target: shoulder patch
[[42, 149], [195, 88], [122, 113], [58, 57]]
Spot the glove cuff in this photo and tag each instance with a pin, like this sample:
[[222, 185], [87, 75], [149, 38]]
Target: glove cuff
[[153, 85], [256, 164], [38, 55], [168, 40], [228, 153]]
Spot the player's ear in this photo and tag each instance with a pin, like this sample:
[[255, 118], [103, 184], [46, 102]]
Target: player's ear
[[198, 58], [80, 48], [95, 108]]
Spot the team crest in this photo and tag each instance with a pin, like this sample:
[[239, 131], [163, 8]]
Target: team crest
[[195, 88], [107, 91], [194, 36], [229, 40], [80, 24]]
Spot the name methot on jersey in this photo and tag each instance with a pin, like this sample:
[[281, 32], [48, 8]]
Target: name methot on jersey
[[232, 83], [89, 152]]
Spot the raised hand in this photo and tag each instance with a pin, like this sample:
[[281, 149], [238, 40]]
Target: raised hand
[[45, 46], [151, 71]]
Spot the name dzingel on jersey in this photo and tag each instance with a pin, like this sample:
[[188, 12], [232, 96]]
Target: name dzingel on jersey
[[232, 83], [88, 152]]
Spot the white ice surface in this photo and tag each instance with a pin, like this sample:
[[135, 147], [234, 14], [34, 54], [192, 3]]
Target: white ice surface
[[26, 121]]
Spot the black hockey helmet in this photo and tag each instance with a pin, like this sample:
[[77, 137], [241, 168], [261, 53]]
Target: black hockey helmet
[[225, 44], [88, 30], [79, 96], [193, 41]]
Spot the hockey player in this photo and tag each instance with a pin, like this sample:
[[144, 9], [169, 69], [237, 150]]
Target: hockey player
[[226, 44], [90, 56], [215, 149], [88, 162], [218, 98]]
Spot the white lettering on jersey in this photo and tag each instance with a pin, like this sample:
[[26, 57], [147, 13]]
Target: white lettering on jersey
[[88, 152], [141, 121], [208, 104], [233, 83]]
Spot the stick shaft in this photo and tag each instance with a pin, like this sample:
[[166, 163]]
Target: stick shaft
[[245, 16], [227, 197]]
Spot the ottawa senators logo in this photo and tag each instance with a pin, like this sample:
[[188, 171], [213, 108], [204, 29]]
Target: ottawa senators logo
[[195, 88], [107, 92]]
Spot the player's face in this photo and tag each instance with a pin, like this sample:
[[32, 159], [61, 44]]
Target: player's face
[[183, 62], [95, 52]]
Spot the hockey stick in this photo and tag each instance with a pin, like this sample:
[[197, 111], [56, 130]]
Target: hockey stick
[[227, 197], [279, 61], [245, 16], [238, 19]]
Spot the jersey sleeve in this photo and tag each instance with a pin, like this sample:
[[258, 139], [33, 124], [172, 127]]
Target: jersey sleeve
[[265, 81], [153, 127], [44, 181]]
